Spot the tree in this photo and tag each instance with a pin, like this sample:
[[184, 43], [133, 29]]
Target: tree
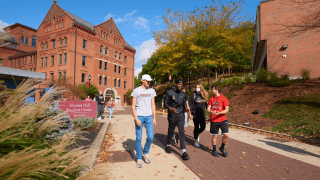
[[92, 91], [70, 90], [137, 82]]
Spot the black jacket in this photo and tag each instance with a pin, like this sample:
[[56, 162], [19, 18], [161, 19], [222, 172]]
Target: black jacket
[[175, 99], [197, 104], [100, 99]]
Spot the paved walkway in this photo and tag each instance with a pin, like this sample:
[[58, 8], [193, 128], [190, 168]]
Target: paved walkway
[[251, 156]]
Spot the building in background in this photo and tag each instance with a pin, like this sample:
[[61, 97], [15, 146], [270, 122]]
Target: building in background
[[280, 44], [68, 46]]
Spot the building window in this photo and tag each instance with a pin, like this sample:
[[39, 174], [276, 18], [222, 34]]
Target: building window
[[54, 19], [53, 43], [111, 32], [60, 59], [83, 61], [59, 76], [41, 46], [119, 83], [115, 68], [105, 81], [41, 62], [104, 35], [34, 41], [125, 71], [22, 39], [100, 64], [51, 77], [45, 76], [84, 44], [52, 60], [119, 70], [60, 42], [101, 34], [65, 41], [125, 58], [30, 69], [115, 54], [46, 46], [83, 77], [106, 51], [115, 82], [125, 84], [65, 58], [27, 41], [101, 49], [45, 62], [105, 66], [64, 74], [100, 80], [119, 56], [1, 62]]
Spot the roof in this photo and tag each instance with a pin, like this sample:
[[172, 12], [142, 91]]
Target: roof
[[80, 21], [21, 73], [264, 1], [8, 37], [128, 46], [18, 24], [22, 54]]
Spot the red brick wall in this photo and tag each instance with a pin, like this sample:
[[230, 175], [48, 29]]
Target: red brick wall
[[303, 48]]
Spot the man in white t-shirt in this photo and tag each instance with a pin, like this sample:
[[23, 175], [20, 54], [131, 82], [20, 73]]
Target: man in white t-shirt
[[144, 113]]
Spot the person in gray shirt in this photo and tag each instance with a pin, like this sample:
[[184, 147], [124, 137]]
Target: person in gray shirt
[[144, 113]]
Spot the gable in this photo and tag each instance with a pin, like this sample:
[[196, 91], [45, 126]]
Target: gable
[[56, 11], [111, 26]]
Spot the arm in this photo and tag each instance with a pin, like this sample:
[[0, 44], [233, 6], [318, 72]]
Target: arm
[[153, 106], [224, 111], [166, 104], [191, 104], [138, 122]]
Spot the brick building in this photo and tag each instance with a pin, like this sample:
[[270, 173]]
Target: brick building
[[278, 45], [68, 46]]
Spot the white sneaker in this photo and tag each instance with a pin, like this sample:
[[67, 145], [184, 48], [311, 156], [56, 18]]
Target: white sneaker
[[196, 144], [139, 163], [146, 158], [99, 118]]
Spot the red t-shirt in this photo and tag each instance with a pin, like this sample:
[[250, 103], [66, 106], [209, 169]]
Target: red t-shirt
[[218, 104]]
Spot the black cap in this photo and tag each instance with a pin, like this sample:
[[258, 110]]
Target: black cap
[[179, 81]]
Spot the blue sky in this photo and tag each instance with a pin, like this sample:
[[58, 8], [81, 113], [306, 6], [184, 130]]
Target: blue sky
[[135, 18]]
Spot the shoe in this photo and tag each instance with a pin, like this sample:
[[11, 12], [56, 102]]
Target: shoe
[[139, 163], [215, 153], [168, 150], [175, 139], [224, 152], [99, 118], [196, 144], [146, 158], [185, 156]]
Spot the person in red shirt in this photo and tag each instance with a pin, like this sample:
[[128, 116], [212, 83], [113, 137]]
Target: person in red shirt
[[218, 106]]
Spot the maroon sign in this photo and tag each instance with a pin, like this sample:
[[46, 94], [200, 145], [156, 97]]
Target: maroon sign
[[79, 108]]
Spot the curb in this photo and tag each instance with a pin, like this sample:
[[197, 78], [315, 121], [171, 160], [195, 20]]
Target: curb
[[94, 149]]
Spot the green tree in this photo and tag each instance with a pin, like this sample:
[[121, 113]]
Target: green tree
[[92, 91], [137, 82]]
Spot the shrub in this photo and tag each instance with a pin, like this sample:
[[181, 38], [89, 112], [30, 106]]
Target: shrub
[[129, 97], [279, 82], [285, 76], [305, 73], [247, 79], [262, 75], [85, 122]]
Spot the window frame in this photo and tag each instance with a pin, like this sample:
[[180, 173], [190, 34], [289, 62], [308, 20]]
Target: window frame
[[124, 84], [46, 61], [105, 65], [60, 59], [115, 68], [22, 39], [105, 81], [42, 62], [27, 41], [65, 58], [100, 64], [115, 54], [125, 71], [119, 83], [84, 58], [34, 41], [100, 80], [84, 44], [52, 60], [115, 83], [119, 70], [53, 43], [83, 78]]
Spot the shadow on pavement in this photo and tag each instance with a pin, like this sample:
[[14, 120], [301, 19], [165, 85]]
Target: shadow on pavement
[[290, 148]]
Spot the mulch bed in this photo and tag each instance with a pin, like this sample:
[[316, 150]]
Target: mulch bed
[[89, 135]]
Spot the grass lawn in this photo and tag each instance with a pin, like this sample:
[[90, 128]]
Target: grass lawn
[[300, 116]]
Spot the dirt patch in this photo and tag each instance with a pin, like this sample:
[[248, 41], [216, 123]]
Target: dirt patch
[[259, 96]]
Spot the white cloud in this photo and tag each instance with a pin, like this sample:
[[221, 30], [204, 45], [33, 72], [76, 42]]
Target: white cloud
[[145, 50], [3, 25], [127, 17], [141, 23], [135, 35], [137, 71]]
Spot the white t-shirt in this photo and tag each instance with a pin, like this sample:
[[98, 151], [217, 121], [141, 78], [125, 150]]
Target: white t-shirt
[[143, 103]]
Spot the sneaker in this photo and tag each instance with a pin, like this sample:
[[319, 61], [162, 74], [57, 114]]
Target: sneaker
[[146, 158], [224, 152], [215, 153], [99, 118], [196, 144], [185, 156], [168, 150], [175, 139], [139, 163]]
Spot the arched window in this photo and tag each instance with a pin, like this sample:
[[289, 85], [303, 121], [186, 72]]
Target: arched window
[[119, 56], [65, 41], [101, 49], [115, 54], [60, 42], [106, 51], [62, 23], [107, 36], [46, 46], [41, 46]]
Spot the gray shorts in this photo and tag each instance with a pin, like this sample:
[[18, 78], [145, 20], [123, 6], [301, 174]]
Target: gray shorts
[[186, 119]]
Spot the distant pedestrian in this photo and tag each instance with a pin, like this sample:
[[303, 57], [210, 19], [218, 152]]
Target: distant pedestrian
[[111, 105], [87, 99], [144, 113], [100, 99], [176, 102], [218, 107], [198, 105]]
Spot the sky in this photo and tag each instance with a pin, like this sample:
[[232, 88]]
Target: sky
[[136, 19]]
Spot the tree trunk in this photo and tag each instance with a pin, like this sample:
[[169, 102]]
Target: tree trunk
[[209, 82], [216, 74], [229, 70], [223, 72]]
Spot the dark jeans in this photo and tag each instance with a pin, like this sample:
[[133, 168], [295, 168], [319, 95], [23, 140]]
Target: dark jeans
[[179, 122], [100, 109], [199, 120]]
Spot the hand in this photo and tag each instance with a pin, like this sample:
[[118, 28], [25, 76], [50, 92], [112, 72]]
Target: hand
[[138, 122], [187, 109], [214, 113], [173, 110], [154, 122]]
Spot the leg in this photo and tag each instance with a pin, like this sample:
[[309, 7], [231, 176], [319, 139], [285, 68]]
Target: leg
[[139, 137], [196, 128], [181, 132], [172, 126], [225, 138], [149, 127], [202, 122], [214, 140], [225, 133], [214, 130]]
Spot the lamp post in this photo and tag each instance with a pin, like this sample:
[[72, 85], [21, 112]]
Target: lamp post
[[89, 77]]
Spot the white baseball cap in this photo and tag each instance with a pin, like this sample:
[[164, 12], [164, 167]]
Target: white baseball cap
[[146, 77]]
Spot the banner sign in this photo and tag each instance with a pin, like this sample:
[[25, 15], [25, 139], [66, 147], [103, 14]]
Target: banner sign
[[79, 108]]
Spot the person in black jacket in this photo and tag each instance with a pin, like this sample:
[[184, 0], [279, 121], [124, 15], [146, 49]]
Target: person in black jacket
[[175, 101], [198, 105], [100, 107]]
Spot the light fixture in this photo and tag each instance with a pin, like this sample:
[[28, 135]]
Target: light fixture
[[284, 46], [89, 77]]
